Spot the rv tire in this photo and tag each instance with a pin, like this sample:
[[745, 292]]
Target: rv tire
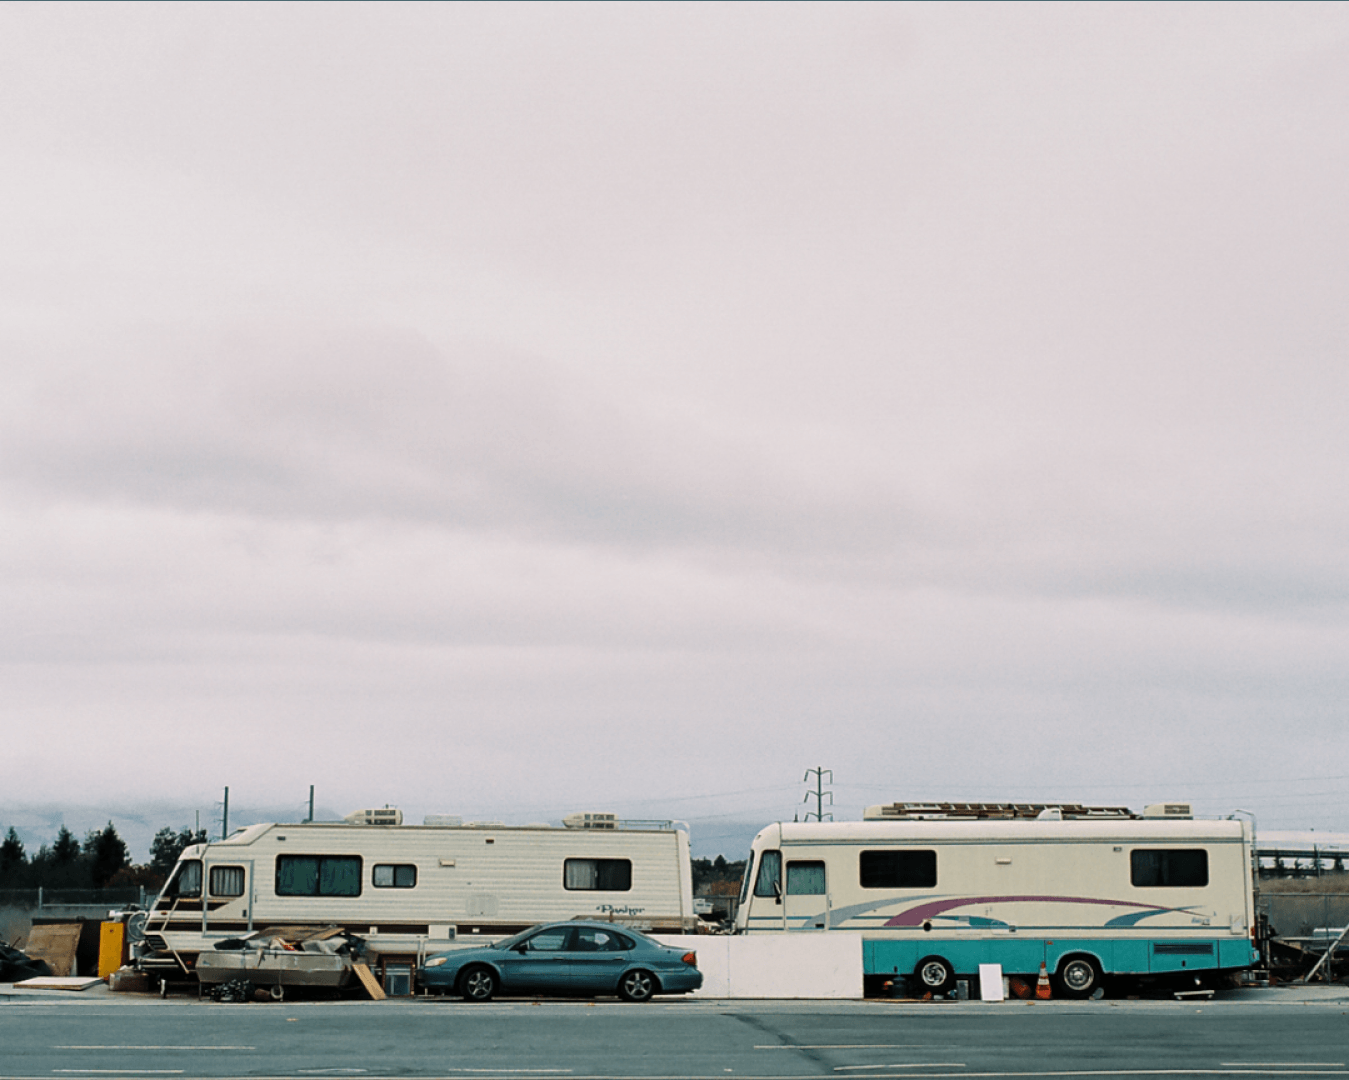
[[935, 975], [478, 983], [1078, 977]]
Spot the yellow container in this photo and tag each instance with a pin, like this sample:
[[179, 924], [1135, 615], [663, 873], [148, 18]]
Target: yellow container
[[111, 948]]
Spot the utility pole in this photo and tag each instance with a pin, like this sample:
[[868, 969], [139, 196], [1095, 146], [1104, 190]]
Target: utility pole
[[225, 817], [819, 794], [311, 803]]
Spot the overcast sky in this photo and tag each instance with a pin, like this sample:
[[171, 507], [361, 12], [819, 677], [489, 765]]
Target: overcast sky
[[507, 410]]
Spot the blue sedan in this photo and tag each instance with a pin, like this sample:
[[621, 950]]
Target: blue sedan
[[568, 958]]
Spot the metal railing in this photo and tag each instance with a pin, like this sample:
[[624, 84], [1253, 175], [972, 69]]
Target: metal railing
[[58, 900]]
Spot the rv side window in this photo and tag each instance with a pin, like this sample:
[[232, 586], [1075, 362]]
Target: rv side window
[[805, 879], [597, 875], [186, 881], [1185, 868], [318, 875], [227, 881], [898, 869], [394, 877], [770, 874]]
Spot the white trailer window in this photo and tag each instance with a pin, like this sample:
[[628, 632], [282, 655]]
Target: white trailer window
[[898, 868], [227, 881], [398, 876], [1177, 868], [597, 875], [805, 879]]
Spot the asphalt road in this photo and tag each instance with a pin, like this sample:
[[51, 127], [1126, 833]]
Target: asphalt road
[[79, 1037]]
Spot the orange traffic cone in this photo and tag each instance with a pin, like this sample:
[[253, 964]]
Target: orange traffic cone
[[1042, 984]]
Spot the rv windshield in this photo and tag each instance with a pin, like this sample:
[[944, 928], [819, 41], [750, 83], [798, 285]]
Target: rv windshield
[[186, 880]]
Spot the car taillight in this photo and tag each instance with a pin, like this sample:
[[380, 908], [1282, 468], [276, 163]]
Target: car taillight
[[690, 958]]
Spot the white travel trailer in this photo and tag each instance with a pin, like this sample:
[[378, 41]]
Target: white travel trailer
[[406, 887], [938, 889]]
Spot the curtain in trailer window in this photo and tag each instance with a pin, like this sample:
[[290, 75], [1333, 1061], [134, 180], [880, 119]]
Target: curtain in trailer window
[[227, 881], [297, 875], [770, 874], [318, 875], [597, 875], [580, 874], [805, 879], [188, 881], [340, 876]]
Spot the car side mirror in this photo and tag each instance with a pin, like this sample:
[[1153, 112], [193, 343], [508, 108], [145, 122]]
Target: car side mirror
[[522, 948], [777, 893]]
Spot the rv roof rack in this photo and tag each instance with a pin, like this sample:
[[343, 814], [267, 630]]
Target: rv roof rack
[[930, 811]]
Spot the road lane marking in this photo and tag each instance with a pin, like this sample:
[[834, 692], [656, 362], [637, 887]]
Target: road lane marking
[[905, 1065], [1283, 1064], [122, 1072]]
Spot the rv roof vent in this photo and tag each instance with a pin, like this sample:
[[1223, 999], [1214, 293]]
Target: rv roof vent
[[591, 821], [386, 816], [443, 820], [1169, 810]]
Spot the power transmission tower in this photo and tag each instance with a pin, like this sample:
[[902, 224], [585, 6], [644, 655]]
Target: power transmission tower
[[819, 794]]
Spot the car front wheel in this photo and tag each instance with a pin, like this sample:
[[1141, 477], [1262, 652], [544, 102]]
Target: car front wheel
[[637, 986], [478, 984]]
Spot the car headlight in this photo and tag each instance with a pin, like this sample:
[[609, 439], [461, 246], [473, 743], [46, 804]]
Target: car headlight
[[436, 961]]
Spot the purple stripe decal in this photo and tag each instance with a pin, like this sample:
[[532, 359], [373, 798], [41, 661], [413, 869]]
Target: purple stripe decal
[[918, 915]]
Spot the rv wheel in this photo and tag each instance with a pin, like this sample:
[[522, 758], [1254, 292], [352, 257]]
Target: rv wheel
[[1079, 977], [935, 975], [478, 984]]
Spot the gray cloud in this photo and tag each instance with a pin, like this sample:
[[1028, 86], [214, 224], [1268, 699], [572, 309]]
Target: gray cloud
[[497, 395]]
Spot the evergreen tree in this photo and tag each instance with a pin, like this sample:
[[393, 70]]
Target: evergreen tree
[[67, 848], [60, 866], [168, 845], [106, 853], [13, 862]]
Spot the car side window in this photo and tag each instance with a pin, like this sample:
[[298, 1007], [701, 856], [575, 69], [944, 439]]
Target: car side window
[[590, 940], [552, 940]]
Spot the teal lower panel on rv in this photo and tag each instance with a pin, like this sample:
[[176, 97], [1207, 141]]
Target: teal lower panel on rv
[[1183, 956], [901, 957], [1024, 957]]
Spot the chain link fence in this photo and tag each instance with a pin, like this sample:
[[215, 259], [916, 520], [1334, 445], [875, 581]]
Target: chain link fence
[[1306, 917]]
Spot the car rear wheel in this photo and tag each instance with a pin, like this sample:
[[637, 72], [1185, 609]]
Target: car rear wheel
[[637, 986], [478, 984]]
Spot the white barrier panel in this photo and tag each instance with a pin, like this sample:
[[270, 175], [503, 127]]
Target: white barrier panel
[[791, 965]]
